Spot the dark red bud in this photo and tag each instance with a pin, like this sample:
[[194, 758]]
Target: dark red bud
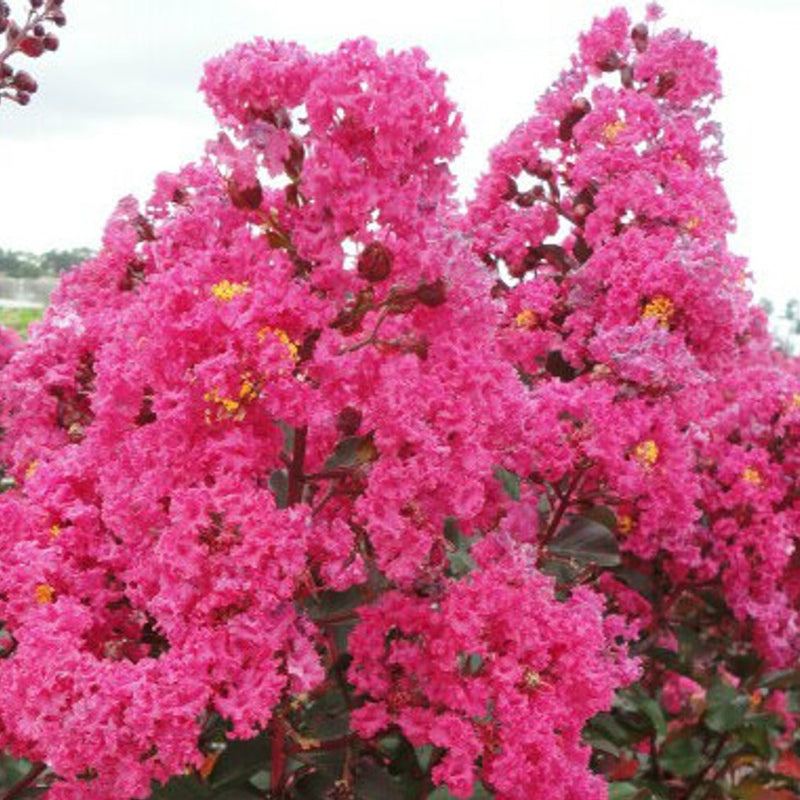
[[640, 34], [626, 76], [579, 109], [6, 71], [527, 199], [32, 46], [245, 197], [25, 83], [36, 3], [348, 421], [59, 17], [580, 212], [665, 82], [510, 191], [57, 3], [3, 24], [375, 263], [38, 29], [23, 98], [580, 105], [543, 170], [50, 42], [610, 61], [432, 294]]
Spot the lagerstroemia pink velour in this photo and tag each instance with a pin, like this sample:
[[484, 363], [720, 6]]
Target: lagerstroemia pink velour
[[299, 370]]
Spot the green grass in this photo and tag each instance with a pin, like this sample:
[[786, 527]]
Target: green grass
[[20, 318]]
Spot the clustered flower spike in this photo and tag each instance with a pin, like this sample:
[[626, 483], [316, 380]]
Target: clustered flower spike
[[605, 220]]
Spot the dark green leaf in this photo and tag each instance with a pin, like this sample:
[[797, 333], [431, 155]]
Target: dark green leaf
[[187, 787], [510, 482], [279, 486], [239, 761], [623, 790], [603, 515], [352, 451], [726, 707], [782, 679], [587, 542], [652, 710], [372, 781], [682, 756]]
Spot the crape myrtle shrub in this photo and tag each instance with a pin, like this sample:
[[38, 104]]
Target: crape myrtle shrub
[[321, 487]]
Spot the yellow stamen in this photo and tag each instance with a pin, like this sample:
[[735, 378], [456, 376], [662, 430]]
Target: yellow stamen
[[226, 291], [44, 593], [660, 308], [691, 223], [30, 471], [646, 453], [612, 130], [531, 678], [229, 407], [751, 475], [283, 338], [624, 524], [55, 530], [526, 319]]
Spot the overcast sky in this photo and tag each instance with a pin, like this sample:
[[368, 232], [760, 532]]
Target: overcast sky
[[118, 102]]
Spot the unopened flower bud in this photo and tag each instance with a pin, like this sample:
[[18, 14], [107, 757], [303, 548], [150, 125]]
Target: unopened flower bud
[[609, 62], [348, 421], [580, 212], [32, 46], [432, 294], [640, 34], [23, 98], [626, 76], [59, 17], [25, 83], [245, 197], [36, 3], [375, 263], [665, 82], [50, 42]]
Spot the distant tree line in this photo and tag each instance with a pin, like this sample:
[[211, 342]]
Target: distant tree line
[[15, 264]]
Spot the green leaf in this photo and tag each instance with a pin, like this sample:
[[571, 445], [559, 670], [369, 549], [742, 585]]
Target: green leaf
[[351, 452], [682, 756], [240, 760], [510, 482], [587, 542], [372, 781], [623, 790], [652, 710], [279, 486], [726, 707], [604, 727], [188, 787], [781, 679]]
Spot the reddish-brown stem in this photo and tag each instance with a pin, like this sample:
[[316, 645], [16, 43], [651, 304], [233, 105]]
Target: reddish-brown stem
[[372, 337], [561, 510], [296, 467], [278, 755], [26, 781]]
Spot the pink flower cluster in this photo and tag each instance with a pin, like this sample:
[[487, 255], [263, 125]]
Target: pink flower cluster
[[605, 220]]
